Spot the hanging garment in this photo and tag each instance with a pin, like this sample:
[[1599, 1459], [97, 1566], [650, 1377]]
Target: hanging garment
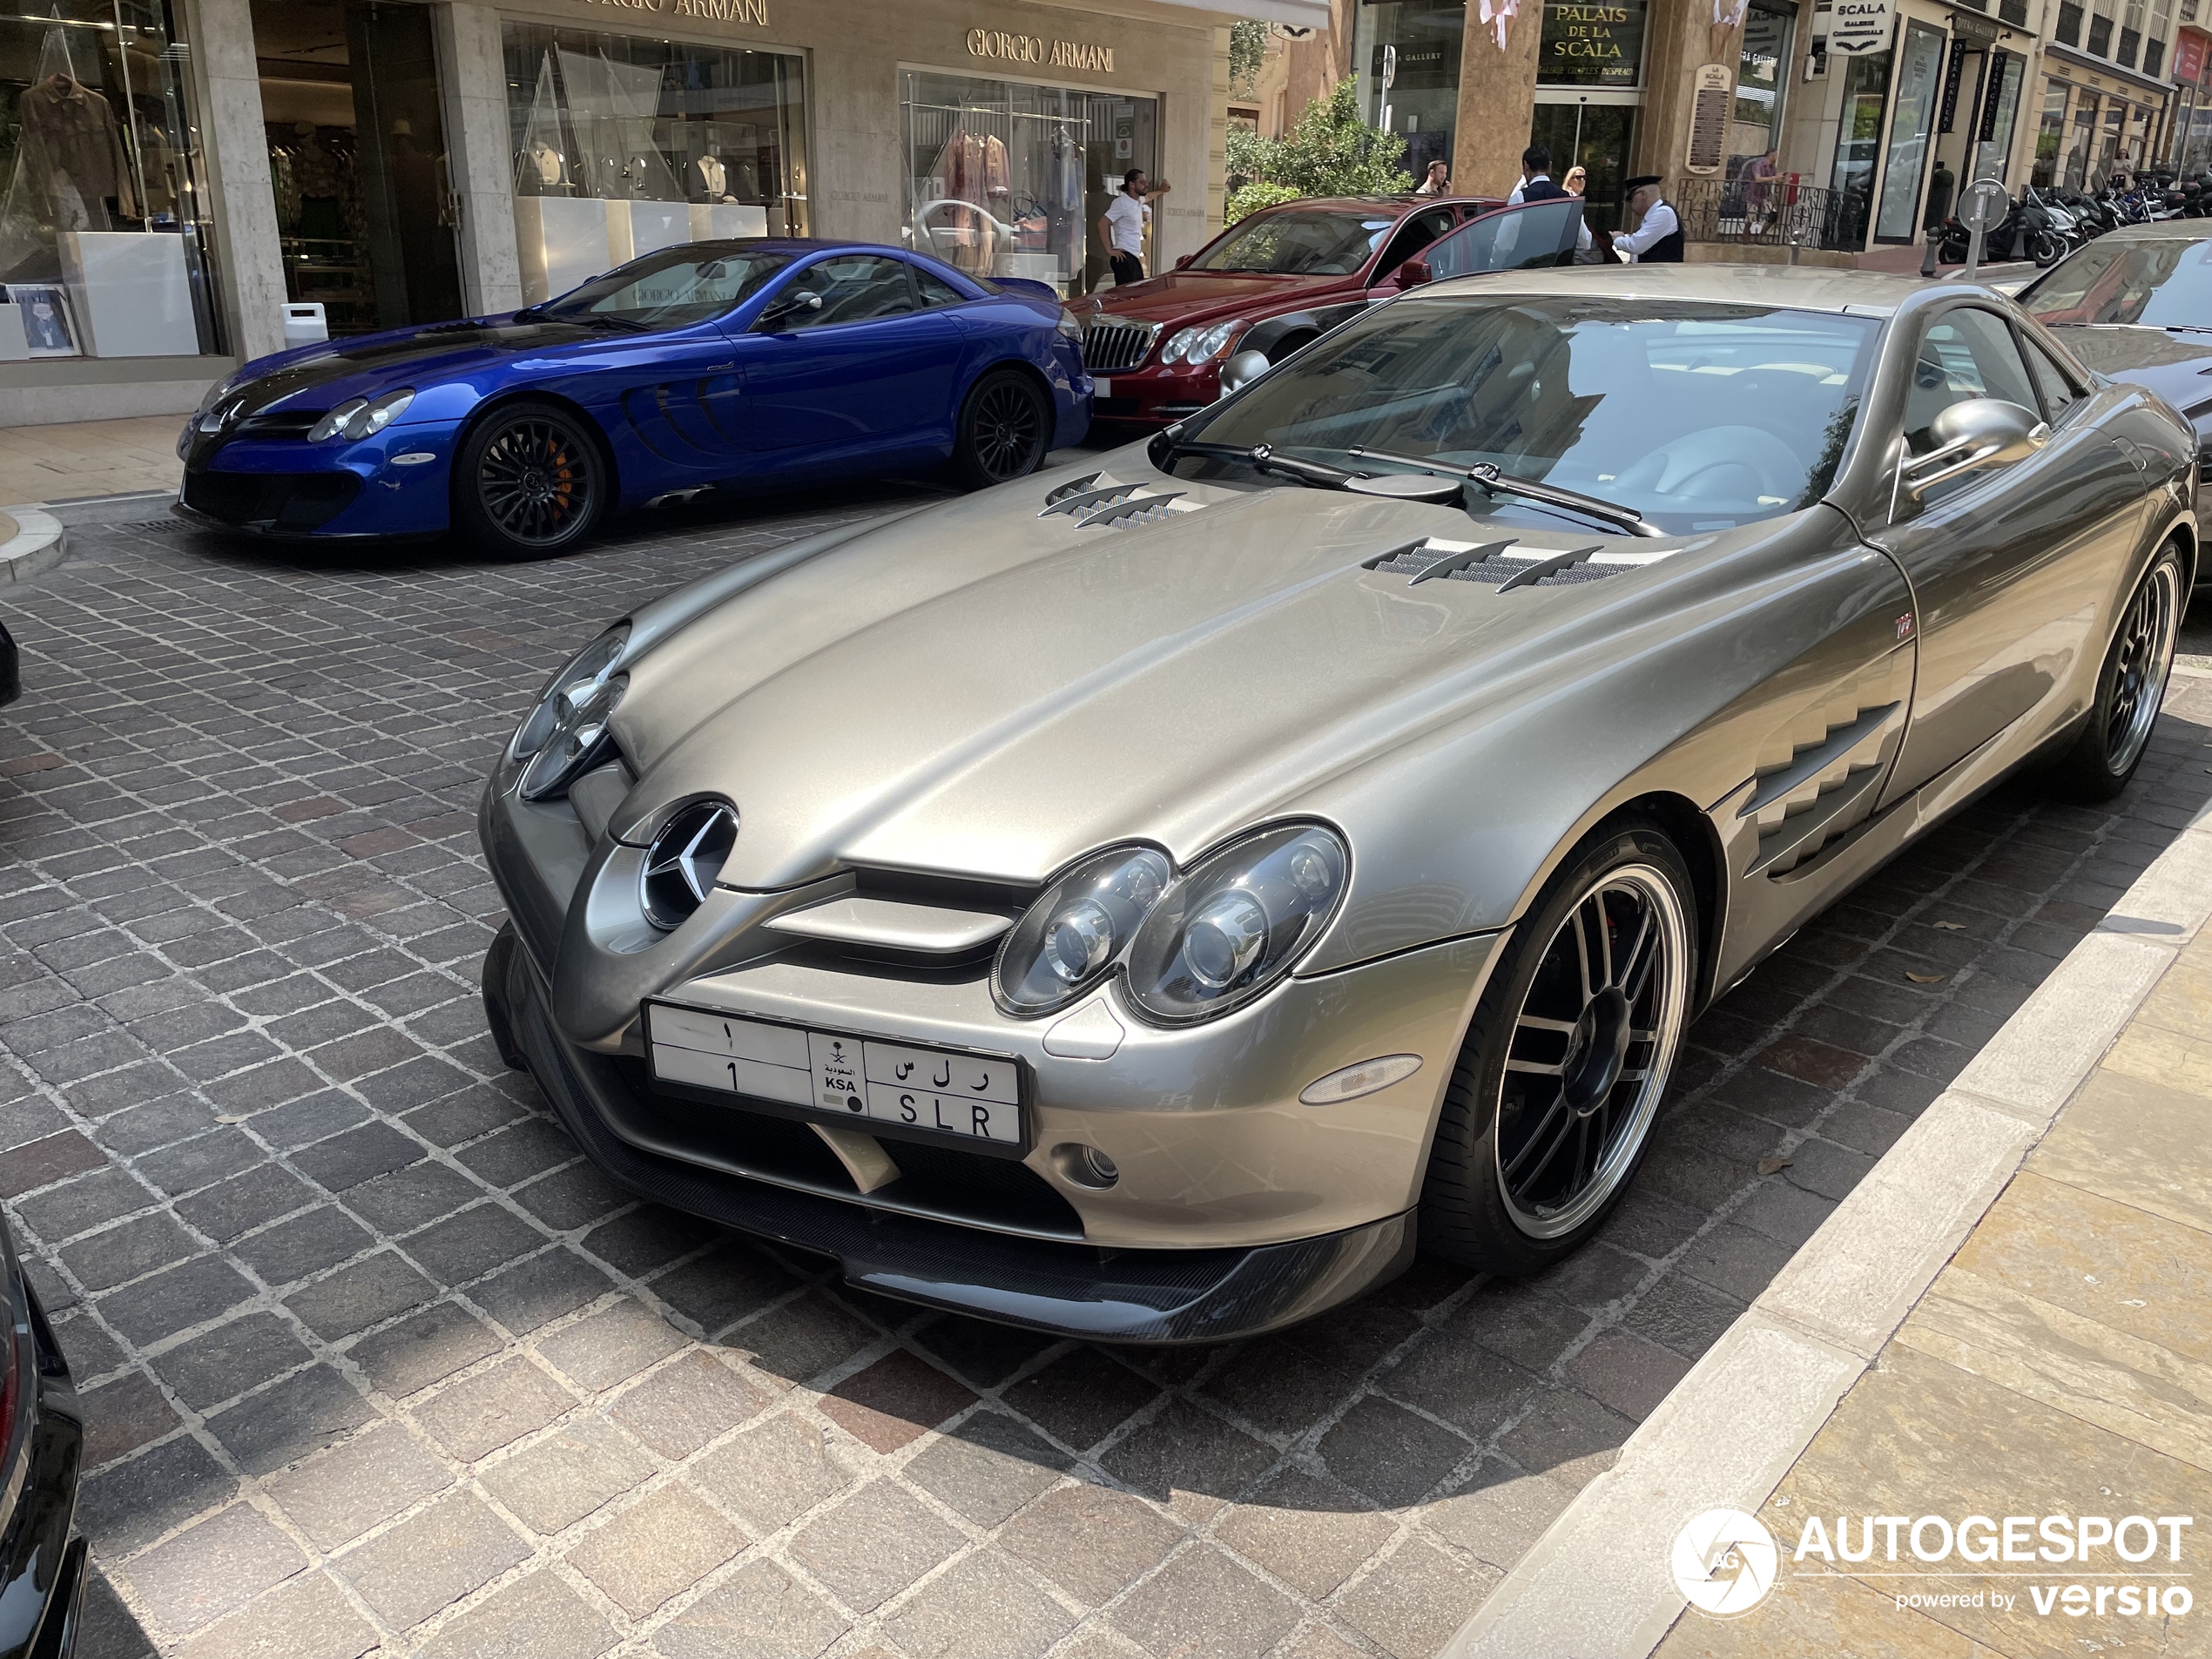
[[70, 143]]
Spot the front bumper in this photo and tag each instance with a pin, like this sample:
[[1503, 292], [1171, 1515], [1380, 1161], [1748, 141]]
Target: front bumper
[[392, 484], [1157, 1297], [42, 1569], [1156, 395]]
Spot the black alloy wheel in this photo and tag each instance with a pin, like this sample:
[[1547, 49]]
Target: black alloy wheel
[[2130, 687], [531, 481], [1559, 1079], [1005, 429]]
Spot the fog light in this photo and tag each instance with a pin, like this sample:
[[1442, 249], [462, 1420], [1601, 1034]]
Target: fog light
[[1085, 1165]]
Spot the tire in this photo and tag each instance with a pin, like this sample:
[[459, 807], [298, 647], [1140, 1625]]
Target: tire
[[1496, 1196], [2047, 248], [2103, 756], [531, 481], [1005, 429]]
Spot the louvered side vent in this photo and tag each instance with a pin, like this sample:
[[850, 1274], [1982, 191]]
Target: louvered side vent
[[1096, 500], [1431, 560], [1826, 782]]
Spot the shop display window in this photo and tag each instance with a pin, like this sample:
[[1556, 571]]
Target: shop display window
[[1005, 179], [1919, 77], [624, 144], [104, 241], [2050, 136], [1408, 56], [1762, 79]]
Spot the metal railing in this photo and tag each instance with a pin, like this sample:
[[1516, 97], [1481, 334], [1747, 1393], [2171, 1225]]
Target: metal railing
[[1765, 213]]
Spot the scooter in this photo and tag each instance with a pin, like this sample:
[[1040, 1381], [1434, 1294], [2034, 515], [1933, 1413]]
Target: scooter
[[2024, 233]]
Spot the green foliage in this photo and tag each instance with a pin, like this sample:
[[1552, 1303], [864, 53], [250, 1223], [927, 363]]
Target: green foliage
[[1247, 46], [1328, 151]]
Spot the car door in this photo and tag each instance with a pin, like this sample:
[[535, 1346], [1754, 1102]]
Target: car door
[[1414, 233], [1998, 556], [681, 417], [870, 368], [1527, 237]]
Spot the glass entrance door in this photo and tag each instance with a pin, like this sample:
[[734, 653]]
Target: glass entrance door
[[1594, 137], [366, 212]]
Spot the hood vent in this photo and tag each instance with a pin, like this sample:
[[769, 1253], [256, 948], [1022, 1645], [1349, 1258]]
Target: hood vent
[[1432, 559], [1095, 500]]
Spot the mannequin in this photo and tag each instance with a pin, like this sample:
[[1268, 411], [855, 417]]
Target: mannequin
[[72, 154], [710, 180], [546, 164], [315, 174]]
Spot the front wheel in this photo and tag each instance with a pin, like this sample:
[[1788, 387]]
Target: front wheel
[[2098, 763], [1559, 1080], [1005, 429], [2047, 248], [528, 481]]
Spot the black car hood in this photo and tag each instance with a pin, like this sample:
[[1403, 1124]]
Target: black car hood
[[2178, 367]]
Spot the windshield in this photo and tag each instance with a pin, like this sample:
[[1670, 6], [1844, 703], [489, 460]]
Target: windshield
[[1697, 416], [1299, 241], [669, 289], [2162, 284]]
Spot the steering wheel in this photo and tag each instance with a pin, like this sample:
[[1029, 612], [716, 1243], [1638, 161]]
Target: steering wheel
[[1718, 463]]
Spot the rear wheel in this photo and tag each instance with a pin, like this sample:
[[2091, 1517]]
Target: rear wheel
[[1558, 1083], [1005, 429], [2129, 688], [528, 481]]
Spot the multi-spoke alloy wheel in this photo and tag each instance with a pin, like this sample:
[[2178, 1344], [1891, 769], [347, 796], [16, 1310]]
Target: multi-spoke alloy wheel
[[2144, 653], [1591, 1051], [529, 481], [1559, 1078], [1005, 428]]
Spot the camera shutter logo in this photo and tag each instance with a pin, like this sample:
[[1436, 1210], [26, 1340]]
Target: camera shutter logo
[[1725, 1562]]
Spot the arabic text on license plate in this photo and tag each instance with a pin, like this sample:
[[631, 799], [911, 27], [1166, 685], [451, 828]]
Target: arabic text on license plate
[[976, 1096]]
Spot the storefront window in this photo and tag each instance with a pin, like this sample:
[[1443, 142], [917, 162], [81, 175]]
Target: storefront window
[[1919, 74], [1008, 179], [2000, 105], [624, 145], [2081, 154], [1866, 84], [103, 242], [2050, 135], [1409, 60], [1762, 73], [1592, 45]]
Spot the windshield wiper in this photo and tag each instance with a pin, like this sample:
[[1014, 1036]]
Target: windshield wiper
[[1500, 482], [1261, 457]]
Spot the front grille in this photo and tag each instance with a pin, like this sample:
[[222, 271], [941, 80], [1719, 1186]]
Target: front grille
[[287, 501], [289, 423], [1109, 345]]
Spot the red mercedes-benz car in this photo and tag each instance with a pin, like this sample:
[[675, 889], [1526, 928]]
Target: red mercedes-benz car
[[1270, 282]]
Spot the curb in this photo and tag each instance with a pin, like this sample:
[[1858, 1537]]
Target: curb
[[1597, 1584], [38, 543]]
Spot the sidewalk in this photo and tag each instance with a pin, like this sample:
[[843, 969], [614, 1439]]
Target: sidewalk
[[70, 462], [2029, 1272]]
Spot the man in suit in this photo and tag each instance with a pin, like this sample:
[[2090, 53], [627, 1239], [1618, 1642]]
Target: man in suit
[[1657, 239], [1536, 184]]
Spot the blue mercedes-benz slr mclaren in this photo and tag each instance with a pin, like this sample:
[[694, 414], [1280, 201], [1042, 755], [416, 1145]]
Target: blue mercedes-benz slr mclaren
[[707, 365]]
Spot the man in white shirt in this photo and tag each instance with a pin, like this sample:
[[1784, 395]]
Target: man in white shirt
[[1536, 185], [1122, 226], [1657, 239]]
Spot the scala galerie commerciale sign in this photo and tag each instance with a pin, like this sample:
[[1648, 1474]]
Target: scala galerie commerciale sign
[[1856, 26], [1012, 48], [1592, 45]]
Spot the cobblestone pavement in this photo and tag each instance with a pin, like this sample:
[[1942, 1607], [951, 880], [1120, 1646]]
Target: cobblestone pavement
[[373, 1363]]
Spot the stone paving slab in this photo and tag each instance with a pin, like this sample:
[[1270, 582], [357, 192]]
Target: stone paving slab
[[374, 1364]]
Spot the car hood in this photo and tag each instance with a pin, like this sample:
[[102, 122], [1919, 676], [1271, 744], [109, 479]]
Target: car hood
[[978, 689], [320, 375], [2177, 367], [1196, 296]]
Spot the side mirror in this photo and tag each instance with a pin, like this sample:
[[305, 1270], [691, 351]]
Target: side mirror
[[790, 305], [1242, 370], [1979, 432], [1185, 260], [1413, 273]]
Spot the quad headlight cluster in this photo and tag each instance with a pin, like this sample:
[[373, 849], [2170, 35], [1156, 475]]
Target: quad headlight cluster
[[361, 417], [563, 735], [1188, 946], [1201, 344]]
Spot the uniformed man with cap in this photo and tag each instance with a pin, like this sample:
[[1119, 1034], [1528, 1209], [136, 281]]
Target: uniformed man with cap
[[1658, 238]]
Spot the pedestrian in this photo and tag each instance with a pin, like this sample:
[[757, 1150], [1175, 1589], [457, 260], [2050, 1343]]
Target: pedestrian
[[1536, 184], [1438, 182], [1657, 239], [1123, 225], [1576, 183]]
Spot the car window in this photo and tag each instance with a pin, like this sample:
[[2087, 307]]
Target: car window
[[1416, 233], [2058, 394], [1697, 415], [1965, 353], [1299, 241], [855, 287], [2154, 283], [935, 291], [1514, 238], [667, 289]]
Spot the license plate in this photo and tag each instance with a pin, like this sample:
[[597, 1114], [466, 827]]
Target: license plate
[[1101, 387], [871, 1085]]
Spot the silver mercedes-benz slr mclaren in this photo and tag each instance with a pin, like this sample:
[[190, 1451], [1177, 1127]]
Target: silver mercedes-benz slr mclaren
[[1148, 899]]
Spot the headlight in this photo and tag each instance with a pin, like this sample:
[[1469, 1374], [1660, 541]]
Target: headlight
[[1070, 326], [361, 417], [1072, 936], [1202, 344], [1237, 923], [1172, 351], [574, 705]]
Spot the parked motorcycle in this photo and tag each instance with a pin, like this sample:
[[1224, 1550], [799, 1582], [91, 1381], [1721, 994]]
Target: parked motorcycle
[[2025, 233]]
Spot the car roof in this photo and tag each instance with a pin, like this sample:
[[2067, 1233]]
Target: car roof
[[1401, 204], [1800, 287]]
